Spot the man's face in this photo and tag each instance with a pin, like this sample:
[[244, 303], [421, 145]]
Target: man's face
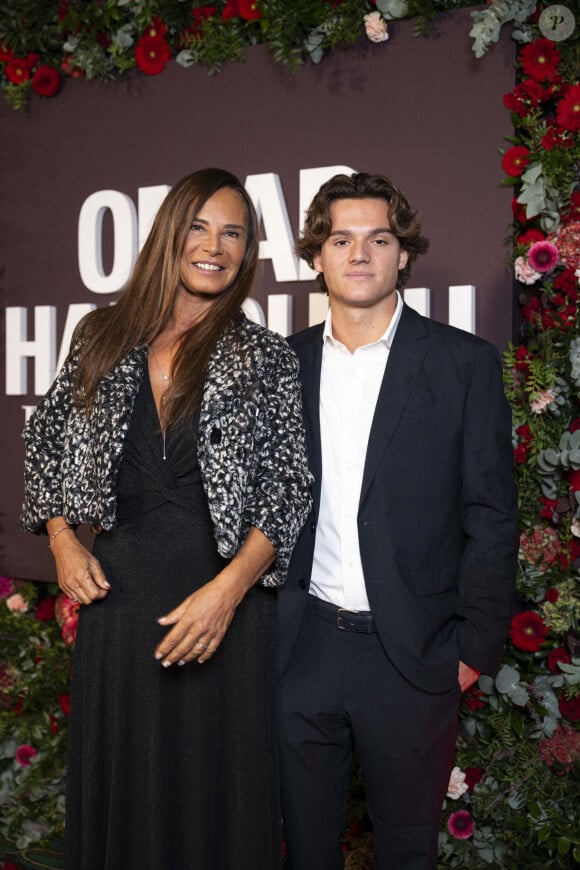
[[361, 257]]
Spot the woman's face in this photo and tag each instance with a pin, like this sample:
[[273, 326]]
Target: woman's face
[[215, 246]]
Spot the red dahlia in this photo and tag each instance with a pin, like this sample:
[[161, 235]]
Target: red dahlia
[[151, 54], [568, 109], [17, 71], [540, 59], [515, 160], [528, 631], [249, 10], [46, 81]]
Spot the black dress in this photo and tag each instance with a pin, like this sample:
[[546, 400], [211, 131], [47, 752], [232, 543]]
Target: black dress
[[169, 768]]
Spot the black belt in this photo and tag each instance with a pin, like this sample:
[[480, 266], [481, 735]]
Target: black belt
[[347, 620]]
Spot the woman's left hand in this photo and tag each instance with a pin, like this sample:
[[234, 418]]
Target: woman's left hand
[[199, 624], [201, 621]]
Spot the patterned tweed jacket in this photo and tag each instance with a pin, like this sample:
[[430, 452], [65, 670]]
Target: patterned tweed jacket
[[250, 445]]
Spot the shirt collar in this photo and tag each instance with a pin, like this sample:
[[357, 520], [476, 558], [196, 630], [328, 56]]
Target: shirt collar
[[386, 338]]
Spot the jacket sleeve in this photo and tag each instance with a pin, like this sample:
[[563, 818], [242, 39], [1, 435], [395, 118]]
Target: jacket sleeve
[[44, 446], [490, 517], [279, 500]]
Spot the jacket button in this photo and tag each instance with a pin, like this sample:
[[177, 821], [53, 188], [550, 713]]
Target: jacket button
[[302, 583]]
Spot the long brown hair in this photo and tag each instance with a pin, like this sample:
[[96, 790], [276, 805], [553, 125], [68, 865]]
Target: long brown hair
[[108, 334], [404, 221]]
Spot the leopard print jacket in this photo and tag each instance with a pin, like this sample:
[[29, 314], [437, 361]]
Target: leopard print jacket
[[251, 446]]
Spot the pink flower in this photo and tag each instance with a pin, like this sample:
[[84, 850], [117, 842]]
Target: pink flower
[[543, 256], [24, 754], [376, 27], [457, 785], [562, 750], [67, 615], [460, 825], [542, 400], [6, 586], [524, 272], [17, 603]]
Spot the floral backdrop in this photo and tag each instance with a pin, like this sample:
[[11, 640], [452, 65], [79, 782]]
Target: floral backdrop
[[514, 795]]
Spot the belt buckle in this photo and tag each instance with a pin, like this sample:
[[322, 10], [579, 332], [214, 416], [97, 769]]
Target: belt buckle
[[339, 613]]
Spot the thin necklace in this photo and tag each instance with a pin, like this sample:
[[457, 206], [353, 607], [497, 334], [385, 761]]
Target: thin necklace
[[166, 379]]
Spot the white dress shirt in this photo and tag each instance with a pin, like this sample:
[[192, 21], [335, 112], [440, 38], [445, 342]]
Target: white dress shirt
[[349, 388]]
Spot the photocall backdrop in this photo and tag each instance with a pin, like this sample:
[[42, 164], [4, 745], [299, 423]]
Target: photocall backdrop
[[83, 173]]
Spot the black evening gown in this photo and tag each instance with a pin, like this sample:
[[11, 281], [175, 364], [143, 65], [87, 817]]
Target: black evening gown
[[169, 768]]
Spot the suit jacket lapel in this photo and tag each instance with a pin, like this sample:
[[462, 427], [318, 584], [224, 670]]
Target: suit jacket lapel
[[310, 356], [405, 359]]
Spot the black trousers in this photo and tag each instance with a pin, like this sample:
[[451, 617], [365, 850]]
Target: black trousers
[[339, 693]]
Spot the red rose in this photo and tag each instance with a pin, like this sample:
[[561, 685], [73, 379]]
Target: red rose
[[249, 10], [527, 631], [519, 211], [473, 775], [515, 160], [231, 10], [64, 701], [555, 656], [551, 595], [549, 506], [520, 454], [151, 54], [557, 139], [525, 97], [17, 71], [530, 236], [566, 283], [46, 81], [45, 609], [573, 477], [524, 433], [540, 59], [570, 707], [568, 109], [574, 424]]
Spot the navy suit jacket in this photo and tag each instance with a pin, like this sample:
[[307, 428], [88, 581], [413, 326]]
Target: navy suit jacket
[[437, 517]]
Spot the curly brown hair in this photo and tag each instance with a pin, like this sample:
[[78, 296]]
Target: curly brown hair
[[404, 221]]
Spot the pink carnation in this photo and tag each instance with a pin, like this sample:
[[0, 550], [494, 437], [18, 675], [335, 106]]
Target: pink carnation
[[542, 400], [376, 27], [457, 785], [524, 272]]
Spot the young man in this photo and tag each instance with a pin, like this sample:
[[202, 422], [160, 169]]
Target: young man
[[399, 592]]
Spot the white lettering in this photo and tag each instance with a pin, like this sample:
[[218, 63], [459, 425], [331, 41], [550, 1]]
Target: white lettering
[[90, 250], [254, 311], [311, 180], [19, 349], [149, 200], [419, 299], [28, 411], [266, 193], [76, 312], [280, 313], [462, 307]]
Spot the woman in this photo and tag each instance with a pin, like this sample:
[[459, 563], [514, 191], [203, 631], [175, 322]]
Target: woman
[[174, 427]]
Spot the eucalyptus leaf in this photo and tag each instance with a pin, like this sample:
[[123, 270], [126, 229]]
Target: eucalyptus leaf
[[519, 696], [507, 679]]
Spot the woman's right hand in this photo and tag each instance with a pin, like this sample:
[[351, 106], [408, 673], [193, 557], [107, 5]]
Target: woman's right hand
[[80, 575]]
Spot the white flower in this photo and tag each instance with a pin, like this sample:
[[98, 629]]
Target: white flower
[[457, 785], [524, 271], [575, 528], [376, 27]]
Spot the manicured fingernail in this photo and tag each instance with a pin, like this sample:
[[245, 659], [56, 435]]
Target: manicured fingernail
[[181, 663], [162, 619], [108, 585], [166, 664], [157, 655]]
